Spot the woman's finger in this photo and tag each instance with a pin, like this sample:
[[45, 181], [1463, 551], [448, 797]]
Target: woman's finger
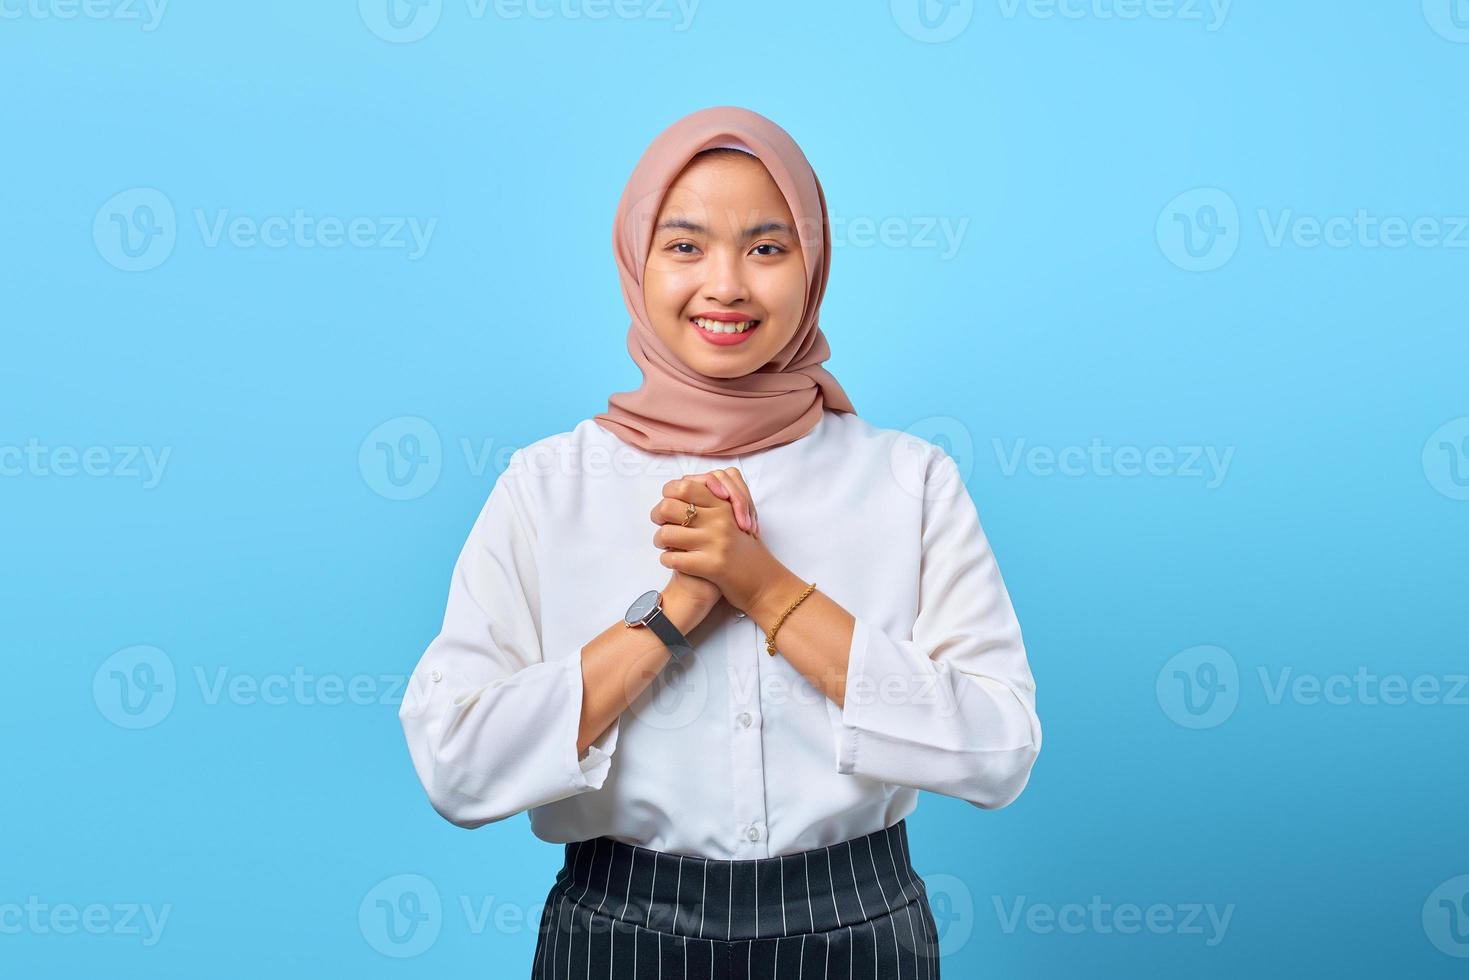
[[742, 489], [741, 508]]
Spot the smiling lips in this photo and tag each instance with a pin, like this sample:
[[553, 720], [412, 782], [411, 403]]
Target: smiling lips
[[724, 329]]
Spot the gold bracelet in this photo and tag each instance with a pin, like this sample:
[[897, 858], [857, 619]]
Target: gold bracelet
[[770, 636]]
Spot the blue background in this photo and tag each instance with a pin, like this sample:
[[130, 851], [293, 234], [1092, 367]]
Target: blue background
[[272, 542]]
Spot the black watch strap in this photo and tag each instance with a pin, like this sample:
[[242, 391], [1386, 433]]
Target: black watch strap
[[676, 642]]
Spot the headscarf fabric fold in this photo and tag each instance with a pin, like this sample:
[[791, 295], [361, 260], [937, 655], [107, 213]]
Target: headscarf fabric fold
[[678, 409]]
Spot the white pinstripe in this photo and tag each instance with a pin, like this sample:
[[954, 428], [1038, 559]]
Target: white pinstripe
[[703, 899], [677, 892], [596, 843], [888, 837], [651, 893], [913, 934], [872, 856], [855, 887], [832, 881], [631, 864], [757, 899], [557, 944], [806, 870], [923, 896], [785, 930], [908, 866], [571, 938], [565, 904], [558, 937], [613, 936]]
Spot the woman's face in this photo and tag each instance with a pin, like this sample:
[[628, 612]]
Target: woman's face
[[725, 245]]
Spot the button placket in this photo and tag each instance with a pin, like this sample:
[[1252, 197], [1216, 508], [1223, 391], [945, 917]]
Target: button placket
[[747, 752]]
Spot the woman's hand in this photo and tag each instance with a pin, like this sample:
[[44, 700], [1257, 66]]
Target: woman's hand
[[714, 547], [729, 484], [703, 591]]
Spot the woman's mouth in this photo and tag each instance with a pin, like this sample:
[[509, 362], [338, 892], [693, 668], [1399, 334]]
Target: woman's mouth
[[724, 333]]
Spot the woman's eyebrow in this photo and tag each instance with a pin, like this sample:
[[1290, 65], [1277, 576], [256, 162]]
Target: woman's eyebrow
[[684, 224]]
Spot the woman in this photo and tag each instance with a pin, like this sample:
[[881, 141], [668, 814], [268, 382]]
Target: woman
[[731, 806]]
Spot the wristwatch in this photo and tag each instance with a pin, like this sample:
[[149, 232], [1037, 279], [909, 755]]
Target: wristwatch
[[647, 610]]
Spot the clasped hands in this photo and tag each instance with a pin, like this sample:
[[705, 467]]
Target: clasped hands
[[720, 553]]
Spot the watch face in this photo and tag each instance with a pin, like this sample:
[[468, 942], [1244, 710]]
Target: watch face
[[641, 608]]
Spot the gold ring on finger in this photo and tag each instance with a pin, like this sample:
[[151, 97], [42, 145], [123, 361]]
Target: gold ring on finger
[[688, 516]]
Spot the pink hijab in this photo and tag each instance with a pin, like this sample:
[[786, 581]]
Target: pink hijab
[[677, 409]]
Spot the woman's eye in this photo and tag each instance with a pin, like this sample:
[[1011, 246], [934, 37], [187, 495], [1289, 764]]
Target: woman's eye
[[777, 248], [680, 245]]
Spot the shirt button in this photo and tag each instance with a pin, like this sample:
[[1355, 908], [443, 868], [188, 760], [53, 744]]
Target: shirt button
[[739, 614], [753, 833], [437, 675], [744, 719]]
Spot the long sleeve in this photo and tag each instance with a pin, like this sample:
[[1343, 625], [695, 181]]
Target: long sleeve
[[951, 710], [492, 724]]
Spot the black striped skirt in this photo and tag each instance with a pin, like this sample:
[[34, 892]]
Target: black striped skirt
[[855, 909]]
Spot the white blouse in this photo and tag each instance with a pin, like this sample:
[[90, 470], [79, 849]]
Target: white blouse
[[732, 754]]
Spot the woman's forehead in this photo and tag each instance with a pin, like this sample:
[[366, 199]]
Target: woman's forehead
[[727, 199]]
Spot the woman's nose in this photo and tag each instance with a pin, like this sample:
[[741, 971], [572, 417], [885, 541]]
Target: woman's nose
[[726, 282]]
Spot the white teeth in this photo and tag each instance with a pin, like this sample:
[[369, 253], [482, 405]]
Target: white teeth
[[715, 326]]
